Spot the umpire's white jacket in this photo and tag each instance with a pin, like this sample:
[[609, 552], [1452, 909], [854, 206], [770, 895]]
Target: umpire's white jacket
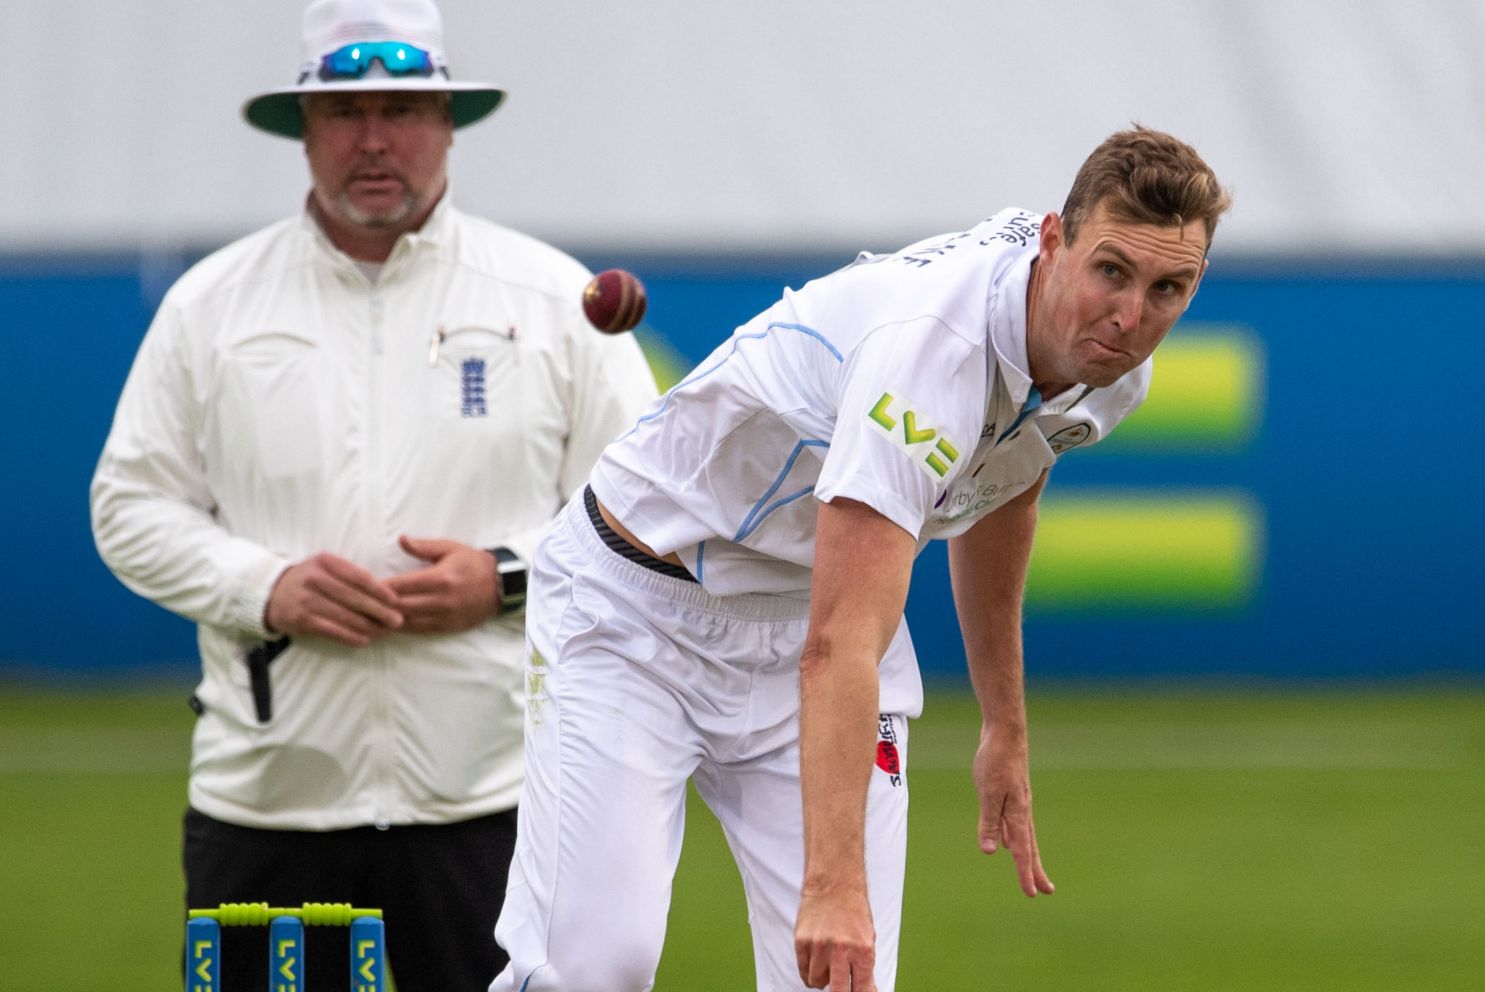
[[284, 404]]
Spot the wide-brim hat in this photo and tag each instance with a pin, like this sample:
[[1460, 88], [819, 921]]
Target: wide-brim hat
[[331, 25]]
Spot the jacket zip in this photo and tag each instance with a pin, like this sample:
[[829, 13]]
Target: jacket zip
[[376, 519]]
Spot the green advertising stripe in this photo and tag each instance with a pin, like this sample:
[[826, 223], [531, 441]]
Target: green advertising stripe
[[667, 365], [1129, 551], [1206, 394]]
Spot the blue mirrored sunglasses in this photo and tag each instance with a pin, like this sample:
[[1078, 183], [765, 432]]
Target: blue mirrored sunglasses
[[396, 57]]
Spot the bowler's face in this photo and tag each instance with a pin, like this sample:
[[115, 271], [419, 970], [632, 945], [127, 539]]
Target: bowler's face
[[1110, 298], [378, 160]]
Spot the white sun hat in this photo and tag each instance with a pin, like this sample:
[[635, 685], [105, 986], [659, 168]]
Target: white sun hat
[[369, 45]]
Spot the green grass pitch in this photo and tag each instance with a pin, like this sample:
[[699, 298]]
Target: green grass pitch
[[1204, 840]]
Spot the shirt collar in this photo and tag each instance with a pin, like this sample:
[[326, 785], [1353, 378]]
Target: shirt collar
[[435, 230], [1008, 331]]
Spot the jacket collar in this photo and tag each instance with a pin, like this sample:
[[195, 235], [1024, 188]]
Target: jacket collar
[[434, 232]]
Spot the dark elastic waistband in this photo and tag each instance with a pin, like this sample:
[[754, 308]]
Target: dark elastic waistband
[[623, 548]]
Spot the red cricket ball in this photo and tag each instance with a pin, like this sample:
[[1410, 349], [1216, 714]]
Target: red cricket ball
[[614, 301]]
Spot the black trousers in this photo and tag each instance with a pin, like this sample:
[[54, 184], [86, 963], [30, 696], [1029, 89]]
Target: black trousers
[[439, 889]]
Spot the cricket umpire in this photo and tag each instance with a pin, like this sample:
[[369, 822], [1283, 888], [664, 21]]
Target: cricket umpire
[[334, 452], [725, 602]]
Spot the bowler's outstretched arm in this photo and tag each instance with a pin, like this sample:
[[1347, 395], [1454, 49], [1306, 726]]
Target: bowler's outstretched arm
[[988, 566]]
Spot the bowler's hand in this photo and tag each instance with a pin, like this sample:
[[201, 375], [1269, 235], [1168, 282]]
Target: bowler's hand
[[1004, 784], [326, 596], [834, 940], [458, 590]]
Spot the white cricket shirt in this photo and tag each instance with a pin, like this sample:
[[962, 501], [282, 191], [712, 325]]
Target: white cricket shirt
[[900, 381]]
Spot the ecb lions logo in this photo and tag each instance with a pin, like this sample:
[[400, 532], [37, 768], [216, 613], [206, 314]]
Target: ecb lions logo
[[472, 388], [899, 421]]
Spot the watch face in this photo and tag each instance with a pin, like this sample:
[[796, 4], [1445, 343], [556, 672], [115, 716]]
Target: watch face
[[512, 578], [512, 572], [513, 582]]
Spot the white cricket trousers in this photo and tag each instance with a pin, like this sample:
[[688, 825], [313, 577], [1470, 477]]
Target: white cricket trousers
[[636, 682]]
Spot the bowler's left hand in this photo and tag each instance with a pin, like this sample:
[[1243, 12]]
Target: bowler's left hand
[[458, 590], [1003, 781]]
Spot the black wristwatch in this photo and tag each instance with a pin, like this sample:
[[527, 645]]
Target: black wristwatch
[[512, 572]]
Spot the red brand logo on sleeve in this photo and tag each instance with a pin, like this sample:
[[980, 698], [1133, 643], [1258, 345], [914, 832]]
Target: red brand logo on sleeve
[[887, 758]]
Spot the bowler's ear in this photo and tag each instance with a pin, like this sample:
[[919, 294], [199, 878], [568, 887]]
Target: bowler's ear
[[1053, 237]]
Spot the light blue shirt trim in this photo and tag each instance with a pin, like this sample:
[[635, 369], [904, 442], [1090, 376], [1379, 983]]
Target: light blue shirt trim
[[760, 512], [1033, 400], [739, 339]]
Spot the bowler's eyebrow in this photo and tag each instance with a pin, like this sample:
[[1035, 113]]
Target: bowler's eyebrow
[[1184, 272]]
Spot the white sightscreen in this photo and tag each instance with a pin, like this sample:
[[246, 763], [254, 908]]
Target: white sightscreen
[[680, 125]]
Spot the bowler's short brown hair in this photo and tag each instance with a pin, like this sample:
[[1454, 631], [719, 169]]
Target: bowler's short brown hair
[[1147, 177]]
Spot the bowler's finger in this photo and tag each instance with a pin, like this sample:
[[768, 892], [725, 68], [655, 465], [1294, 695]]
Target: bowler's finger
[[1015, 839], [990, 820], [840, 972], [816, 969], [1043, 882], [859, 977], [851, 966], [1020, 837]]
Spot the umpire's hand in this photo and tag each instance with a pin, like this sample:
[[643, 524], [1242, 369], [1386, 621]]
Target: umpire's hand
[[458, 590], [327, 596]]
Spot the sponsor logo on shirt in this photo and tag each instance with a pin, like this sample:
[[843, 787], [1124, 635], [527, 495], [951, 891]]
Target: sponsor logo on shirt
[[537, 696], [1069, 437], [1020, 229], [897, 419], [969, 502]]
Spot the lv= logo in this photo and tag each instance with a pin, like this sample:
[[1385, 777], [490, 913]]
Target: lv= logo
[[889, 413]]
